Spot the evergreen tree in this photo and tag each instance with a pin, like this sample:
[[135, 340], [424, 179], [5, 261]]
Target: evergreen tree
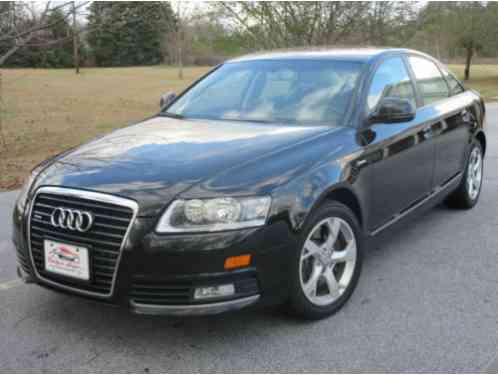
[[61, 55], [128, 33]]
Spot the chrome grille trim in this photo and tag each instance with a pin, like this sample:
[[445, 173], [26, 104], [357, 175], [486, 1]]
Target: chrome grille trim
[[86, 195]]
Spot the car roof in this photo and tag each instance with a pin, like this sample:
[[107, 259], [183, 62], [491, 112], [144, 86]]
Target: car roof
[[365, 54]]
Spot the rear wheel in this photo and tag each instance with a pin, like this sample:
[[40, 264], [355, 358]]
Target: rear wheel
[[467, 193], [328, 263]]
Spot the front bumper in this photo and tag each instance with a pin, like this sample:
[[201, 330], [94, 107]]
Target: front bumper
[[193, 310], [158, 274]]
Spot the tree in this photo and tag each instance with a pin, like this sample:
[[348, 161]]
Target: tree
[[61, 55], [459, 28], [128, 33], [26, 27], [469, 30], [388, 23], [21, 24], [289, 24], [36, 37]]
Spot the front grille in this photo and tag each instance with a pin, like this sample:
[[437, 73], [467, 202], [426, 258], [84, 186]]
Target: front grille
[[156, 292], [104, 239]]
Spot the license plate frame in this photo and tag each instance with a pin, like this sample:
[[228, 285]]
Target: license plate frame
[[72, 263]]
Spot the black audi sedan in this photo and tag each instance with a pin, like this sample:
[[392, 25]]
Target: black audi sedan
[[263, 183]]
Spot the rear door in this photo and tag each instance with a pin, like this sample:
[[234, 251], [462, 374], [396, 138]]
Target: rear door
[[443, 101]]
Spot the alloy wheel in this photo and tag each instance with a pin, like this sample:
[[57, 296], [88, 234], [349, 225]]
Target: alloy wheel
[[474, 173], [328, 261]]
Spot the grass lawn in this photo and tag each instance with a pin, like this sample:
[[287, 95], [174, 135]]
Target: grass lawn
[[483, 78], [48, 111]]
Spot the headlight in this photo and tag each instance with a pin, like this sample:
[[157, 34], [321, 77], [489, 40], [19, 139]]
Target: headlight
[[211, 215]]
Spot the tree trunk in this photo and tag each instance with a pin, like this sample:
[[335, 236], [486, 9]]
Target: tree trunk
[[179, 42], [3, 142], [76, 56], [468, 59], [180, 60]]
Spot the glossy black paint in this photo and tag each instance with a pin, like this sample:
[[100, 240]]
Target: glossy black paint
[[381, 169], [393, 110]]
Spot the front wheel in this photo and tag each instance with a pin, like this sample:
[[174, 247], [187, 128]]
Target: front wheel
[[328, 263], [467, 193]]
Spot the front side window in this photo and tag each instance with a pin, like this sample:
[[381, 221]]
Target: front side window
[[431, 83], [390, 80], [274, 91]]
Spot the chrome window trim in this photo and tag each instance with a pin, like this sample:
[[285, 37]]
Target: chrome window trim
[[91, 195]]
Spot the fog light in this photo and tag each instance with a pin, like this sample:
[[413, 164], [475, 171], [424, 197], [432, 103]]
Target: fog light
[[214, 291]]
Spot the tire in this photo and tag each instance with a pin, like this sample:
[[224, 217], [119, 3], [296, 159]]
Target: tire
[[466, 196], [341, 261]]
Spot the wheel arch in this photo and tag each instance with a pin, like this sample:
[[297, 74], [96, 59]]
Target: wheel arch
[[347, 198], [344, 195]]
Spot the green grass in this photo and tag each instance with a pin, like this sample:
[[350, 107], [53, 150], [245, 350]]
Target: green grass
[[483, 78]]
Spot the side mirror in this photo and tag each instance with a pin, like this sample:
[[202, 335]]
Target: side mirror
[[392, 110], [167, 99]]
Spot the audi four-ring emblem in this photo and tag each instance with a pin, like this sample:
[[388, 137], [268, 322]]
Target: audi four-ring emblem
[[66, 218]]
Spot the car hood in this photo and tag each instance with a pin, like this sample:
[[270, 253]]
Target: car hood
[[155, 160]]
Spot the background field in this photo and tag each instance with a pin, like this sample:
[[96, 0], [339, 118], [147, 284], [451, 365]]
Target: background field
[[48, 111]]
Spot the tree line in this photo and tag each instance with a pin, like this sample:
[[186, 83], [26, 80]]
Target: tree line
[[147, 33]]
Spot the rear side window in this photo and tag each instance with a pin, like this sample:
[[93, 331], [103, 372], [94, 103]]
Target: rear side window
[[390, 80], [430, 82]]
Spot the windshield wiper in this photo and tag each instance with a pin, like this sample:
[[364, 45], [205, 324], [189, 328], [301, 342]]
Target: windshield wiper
[[172, 115], [247, 120]]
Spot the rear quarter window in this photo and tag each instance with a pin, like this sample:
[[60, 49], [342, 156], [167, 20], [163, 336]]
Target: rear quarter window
[[454, 85], [431, 84]]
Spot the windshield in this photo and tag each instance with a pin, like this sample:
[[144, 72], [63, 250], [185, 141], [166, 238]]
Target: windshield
[[285, 91]]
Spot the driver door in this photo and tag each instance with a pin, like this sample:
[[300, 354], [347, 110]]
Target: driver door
[[403, 152]]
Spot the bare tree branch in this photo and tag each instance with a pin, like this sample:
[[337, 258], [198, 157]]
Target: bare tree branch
[[41, 24], [22, 35]]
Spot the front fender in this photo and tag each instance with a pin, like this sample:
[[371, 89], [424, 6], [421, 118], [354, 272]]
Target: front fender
[[339, 180]]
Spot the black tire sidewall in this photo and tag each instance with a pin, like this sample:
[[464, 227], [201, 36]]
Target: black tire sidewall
[[299, 302]]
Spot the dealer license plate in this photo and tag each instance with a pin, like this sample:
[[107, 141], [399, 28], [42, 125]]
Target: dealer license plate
[[67, 260]]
